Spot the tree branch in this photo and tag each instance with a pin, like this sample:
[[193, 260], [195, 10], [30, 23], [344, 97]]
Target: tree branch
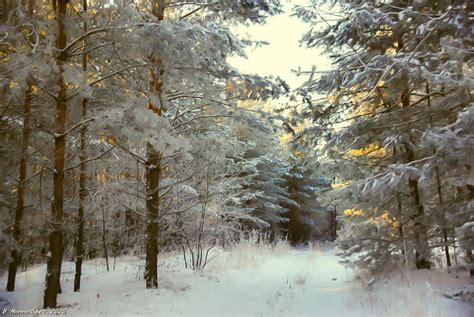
[[90, 159], [83, 36]]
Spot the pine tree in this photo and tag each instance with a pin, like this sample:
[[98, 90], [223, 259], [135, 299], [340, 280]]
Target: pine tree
[[56, 236], [397, 80], [308, 219]]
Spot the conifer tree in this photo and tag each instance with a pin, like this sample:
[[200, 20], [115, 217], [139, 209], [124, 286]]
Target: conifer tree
[[399, 78]]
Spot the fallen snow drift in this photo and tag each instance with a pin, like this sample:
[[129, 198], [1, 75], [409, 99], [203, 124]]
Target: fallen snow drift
[[245, 281]]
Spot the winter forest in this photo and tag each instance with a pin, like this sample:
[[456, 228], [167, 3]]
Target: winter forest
[[144, 172]]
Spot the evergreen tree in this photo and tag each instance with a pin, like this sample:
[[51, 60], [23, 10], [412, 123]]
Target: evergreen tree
[[399, 77], [308, 219]]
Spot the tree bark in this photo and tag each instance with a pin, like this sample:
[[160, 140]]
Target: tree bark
[[470, 257], [334, 223], [56, 236], [444, 224], [158, 9], [104, 239], [401, 233], [421, 237], [16, 252], [470, 260], [153, 171], [439, 188], [82, 176]]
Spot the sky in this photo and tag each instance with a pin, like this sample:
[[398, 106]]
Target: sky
[[284, 52]]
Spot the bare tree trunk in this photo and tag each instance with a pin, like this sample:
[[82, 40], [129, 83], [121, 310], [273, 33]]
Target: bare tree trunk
[[401, 232], [470, 260], [158, 9], [200, 235], [439, 188], [184, 256], [421, 237], [470, 257], [153, 171], [56, 236], [82, 176], [193, 263], [445, 229], [104, 239], [334, 217], [334, 223], [16, 252]]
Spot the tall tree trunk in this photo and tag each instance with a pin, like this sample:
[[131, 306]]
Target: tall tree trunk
[[401, 225], [200, 234], [153, 171], [153, 168], [401, 233], [82, 174], [56, 236], [439, 187], [16, 252], [421, 237], [444, 221]]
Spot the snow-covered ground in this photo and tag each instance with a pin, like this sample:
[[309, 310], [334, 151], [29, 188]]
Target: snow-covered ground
[[248, 280]]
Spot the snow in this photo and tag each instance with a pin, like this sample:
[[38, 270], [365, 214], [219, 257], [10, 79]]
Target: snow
[[246, 280]]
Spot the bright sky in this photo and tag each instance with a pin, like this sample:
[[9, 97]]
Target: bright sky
[[284, 52]]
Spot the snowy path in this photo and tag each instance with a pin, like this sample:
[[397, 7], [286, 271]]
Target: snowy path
[[244, 282], [296, 282]]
